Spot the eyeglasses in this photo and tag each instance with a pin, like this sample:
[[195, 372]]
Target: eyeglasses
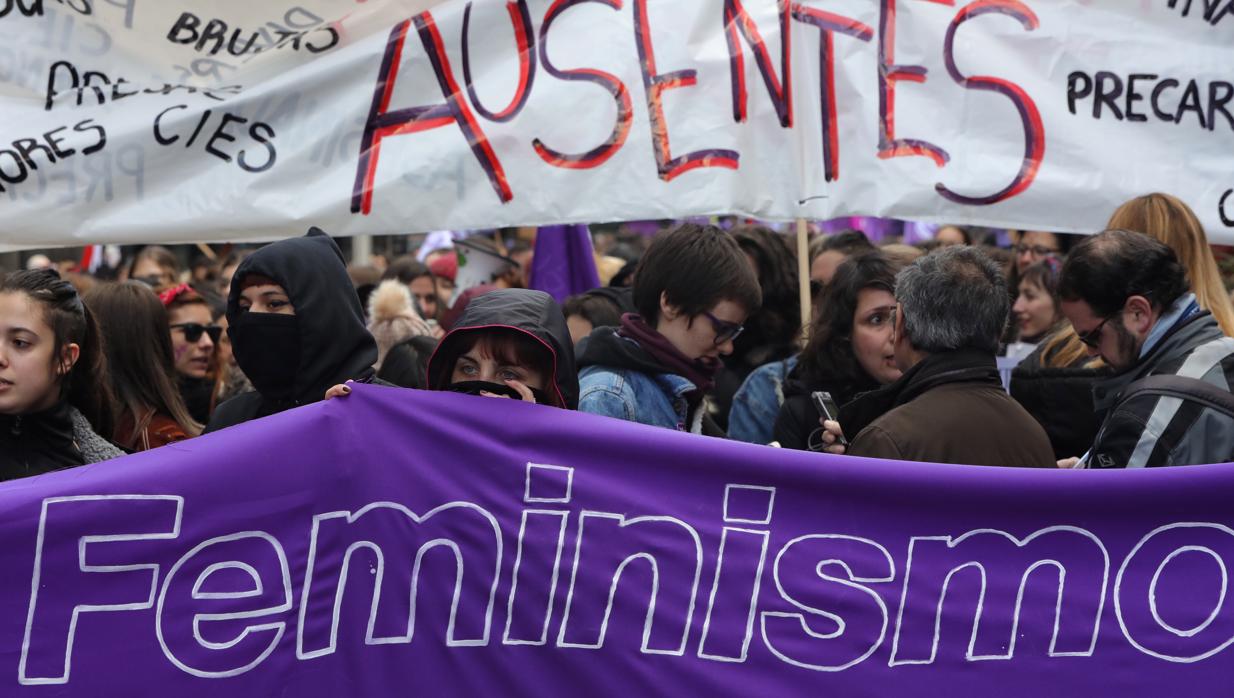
[[725, 331], [194, 330], [1092, 337], [1035, 250]]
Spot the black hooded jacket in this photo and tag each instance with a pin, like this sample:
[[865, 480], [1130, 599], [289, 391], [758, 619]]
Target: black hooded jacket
[[533, 313], [334, 344]]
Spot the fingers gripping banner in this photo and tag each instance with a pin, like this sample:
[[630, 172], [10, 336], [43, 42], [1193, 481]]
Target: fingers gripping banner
[[389, 543], [127, 121]]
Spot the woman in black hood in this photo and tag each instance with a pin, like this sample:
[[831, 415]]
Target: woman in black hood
[[510, 343], [296, 328], [518, 336]]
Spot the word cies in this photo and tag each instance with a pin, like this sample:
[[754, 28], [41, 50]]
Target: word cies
[[259, 132], [848, 595], [742, 34]]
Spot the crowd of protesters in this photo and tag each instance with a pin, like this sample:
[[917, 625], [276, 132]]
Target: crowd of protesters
[[1119, 341]]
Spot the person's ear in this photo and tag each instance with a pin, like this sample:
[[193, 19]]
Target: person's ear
[[667, 310], [1138, 314], [897, 326], [68, 358]]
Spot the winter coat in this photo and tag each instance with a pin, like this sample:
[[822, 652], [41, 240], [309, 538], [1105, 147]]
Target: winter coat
[[1150, 428], [1060, 399], [949, 408], [335, 345], [533, 313], [621, 379], [798, 417], [758, 401], [58, 438]]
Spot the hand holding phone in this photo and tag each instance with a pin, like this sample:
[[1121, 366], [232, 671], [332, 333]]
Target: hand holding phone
[[828, 411]]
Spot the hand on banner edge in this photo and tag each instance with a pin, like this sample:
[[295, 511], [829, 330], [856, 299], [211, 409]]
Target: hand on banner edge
[[340, 390]]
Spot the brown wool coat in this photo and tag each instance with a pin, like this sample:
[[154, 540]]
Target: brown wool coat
[[968, 423]]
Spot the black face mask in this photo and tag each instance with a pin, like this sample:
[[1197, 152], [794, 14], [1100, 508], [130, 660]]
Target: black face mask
[[267, 348], [476, 387]]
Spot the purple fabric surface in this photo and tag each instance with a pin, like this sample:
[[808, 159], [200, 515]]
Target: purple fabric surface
[[215, 566], [564, 262]]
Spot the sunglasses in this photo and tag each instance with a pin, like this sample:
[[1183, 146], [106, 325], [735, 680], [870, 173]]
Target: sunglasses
[[1092, 337], [193, 331], [725, 331]]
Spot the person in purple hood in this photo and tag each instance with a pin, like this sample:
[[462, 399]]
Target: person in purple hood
[[693, 290]]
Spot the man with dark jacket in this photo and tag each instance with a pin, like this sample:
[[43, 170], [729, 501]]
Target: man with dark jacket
[[1127, 296], [949, 406], [296, 328]]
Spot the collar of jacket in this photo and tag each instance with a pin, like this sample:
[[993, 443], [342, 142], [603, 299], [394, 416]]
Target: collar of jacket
[[1181, 339], [959, 366], [677, 386], [55, 424]]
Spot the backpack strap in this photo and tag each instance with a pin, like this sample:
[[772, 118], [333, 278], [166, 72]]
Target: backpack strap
[[1183, 387]]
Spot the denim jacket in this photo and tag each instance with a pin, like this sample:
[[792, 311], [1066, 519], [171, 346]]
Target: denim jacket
[[758, 401], [655, 399]]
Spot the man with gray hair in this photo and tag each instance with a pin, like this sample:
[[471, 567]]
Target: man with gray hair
[[949, 406]]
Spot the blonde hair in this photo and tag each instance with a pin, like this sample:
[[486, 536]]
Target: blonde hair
[[393, 317], [1171, 221], [1063, 349]]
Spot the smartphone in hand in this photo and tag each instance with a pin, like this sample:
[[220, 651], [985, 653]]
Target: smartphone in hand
[[827, 409]]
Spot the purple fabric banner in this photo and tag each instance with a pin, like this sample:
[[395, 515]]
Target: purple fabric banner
[[564, 262], [396, 542]]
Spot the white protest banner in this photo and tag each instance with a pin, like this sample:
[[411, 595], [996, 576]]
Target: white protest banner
[[130, 121]]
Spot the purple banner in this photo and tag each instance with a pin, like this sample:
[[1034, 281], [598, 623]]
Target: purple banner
[[396, 542], [564, 263]]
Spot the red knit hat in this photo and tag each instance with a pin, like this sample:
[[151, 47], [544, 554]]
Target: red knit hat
[[445, 266]]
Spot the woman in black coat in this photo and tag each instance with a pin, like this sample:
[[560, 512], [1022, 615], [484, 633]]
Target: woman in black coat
[[850, 347]]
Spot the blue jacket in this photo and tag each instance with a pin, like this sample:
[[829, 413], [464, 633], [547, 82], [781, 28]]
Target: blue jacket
[[758, 401], [621, 379], [655, 399]]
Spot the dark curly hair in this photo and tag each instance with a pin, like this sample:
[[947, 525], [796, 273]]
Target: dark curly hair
[[828, 360]]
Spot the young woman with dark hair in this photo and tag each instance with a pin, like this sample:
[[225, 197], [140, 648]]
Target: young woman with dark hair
[[134, 326], [693, 289], [55, 396], [850, 349], [193, 339]]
